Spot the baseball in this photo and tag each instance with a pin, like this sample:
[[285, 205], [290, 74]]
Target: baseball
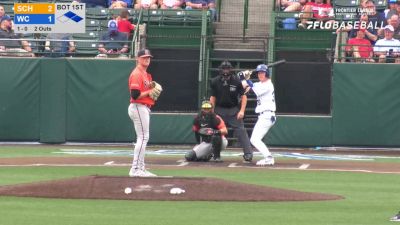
[[128, 190]]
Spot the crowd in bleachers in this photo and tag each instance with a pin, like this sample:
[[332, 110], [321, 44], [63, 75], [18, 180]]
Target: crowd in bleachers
[[109, 28], [372, 28]]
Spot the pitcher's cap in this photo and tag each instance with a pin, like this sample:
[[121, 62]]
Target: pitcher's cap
[[144, 53]]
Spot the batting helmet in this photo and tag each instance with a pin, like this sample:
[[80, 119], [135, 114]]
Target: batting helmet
[[262, 68]]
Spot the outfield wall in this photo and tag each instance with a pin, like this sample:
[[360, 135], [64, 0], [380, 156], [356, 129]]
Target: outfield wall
[[86, 100]]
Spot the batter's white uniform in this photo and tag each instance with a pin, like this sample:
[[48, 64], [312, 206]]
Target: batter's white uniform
[[266, 109]]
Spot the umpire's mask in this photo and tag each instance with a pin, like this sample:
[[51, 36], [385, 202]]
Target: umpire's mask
[[225, 69]]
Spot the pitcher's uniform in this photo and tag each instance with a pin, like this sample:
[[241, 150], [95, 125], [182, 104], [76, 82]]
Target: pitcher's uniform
[[266, 114], [139, 112]]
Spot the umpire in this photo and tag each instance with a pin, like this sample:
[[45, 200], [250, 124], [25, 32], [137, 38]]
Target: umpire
[[226, 90]]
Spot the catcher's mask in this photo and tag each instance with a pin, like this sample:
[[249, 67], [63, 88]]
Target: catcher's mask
[[225, 68], [263, 68]]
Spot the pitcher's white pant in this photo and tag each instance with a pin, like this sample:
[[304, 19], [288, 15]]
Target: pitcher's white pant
[[264, 123], [140, 116]]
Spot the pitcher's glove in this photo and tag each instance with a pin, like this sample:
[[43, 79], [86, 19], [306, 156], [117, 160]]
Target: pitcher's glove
[[245, 75], [208, 131], [155, 91]]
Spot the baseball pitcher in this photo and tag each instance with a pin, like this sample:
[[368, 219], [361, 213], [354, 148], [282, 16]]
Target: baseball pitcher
[[144, 92]]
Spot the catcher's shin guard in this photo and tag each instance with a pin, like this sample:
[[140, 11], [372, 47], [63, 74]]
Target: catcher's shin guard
[[216, 146]]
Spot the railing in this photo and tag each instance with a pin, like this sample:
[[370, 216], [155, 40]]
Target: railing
[[245, 17], [204, 59], [135, 38], [83, 48]]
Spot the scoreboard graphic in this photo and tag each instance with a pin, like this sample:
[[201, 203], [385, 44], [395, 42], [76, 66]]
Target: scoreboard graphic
[[49, 18]]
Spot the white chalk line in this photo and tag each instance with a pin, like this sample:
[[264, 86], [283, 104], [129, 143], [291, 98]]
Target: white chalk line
[[231, 165]]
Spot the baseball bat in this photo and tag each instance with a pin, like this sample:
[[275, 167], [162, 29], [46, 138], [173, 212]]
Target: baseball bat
[[276, 63]]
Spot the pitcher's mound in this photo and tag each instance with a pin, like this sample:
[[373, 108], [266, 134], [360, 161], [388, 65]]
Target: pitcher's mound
[[158, 188]]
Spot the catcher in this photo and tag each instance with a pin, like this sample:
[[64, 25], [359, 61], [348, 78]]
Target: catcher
[[210, 131]]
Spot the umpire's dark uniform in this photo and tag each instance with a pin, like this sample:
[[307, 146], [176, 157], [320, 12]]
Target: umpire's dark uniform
[[227, 90]]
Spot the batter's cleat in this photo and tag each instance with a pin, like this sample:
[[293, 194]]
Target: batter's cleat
[[269, 161], [218, 160], [248, 157], [395, 218]]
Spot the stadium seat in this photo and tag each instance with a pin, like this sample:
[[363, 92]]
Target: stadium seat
[[86, 48], [92, 25], [8, 2], [97, 13], [346, 3], [173, 17], [9, 9], [152, 17], [381, 4], [40, 1], [194, 17], [116, 12], [86, 44]]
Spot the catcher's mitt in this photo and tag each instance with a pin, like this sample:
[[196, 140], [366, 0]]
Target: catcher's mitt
[[155, 91], [208, 131]]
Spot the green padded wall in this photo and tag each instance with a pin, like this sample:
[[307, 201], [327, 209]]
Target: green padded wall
[[19, 99], [58, 100], [301, 131], [52, 101], [366, 104], [171, 128], [97, 100]]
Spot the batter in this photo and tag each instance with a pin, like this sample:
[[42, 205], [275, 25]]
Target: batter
[[264, 90]]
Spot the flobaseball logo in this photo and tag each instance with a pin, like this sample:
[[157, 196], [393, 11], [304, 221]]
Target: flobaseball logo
[[329, 25]]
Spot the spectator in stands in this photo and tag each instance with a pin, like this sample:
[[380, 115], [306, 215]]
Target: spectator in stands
[[119, 4], [395, 22], [370, 33], [360, 48], [146, 4], [388, 48], [14, 46], [170, 4], [392, 9], [59, 45], [123, 23], [316, 9], [2, 12], [93, 3], [291, 5], [343, 35], [113, 43], [202, 4], [375, 17]]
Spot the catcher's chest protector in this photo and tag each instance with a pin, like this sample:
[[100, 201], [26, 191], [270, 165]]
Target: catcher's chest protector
[[208, 121]]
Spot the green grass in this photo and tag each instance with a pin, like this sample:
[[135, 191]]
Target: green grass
[[370, 199]]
